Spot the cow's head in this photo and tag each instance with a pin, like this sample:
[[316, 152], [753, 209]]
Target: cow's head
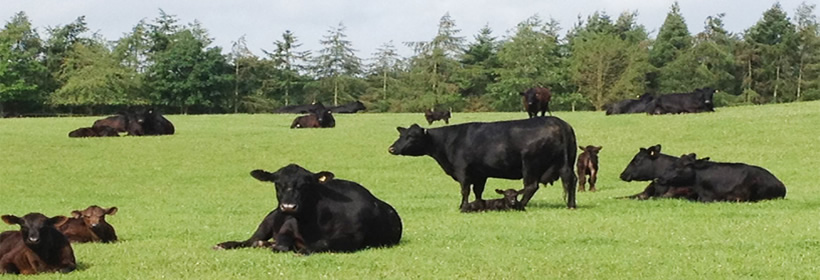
[[642, 165], [682, 172], [324, 117], [707, 96], [358, 105], [34, 226], [413, 141], [530, 98], [94, 215], [511, 198], [294, 185]]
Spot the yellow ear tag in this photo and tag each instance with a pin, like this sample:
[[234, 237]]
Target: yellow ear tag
[[322, 179]]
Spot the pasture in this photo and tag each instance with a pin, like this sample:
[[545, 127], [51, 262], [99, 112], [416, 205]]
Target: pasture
[[180, 195]]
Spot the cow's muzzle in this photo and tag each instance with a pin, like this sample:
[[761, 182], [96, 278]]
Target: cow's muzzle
[[391, 150], [288, 207]]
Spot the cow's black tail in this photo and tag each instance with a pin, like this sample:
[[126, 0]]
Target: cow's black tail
[[568, 178]]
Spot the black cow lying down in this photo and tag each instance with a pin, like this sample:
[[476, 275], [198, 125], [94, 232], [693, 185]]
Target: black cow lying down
[[700, 100], [539, 150], [318, 213], [348, 108], [649, 164], [94, 131], [721, 181]]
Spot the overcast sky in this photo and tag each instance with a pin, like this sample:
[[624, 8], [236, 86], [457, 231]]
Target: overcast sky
[[369, 23]]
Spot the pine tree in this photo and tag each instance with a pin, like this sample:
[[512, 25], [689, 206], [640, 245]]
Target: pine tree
[[773, 38], [337, 59], [807, 56], [385, 65], [435, 62], [290, 61]]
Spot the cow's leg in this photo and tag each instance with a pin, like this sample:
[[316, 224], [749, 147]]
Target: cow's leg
[[465, 195], [593, 177], [530, 187], [582, 180], [478, 187], [263, 233], [568, 179]]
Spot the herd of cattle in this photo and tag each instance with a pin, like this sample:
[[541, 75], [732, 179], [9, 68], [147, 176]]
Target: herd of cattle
[[132, 122], [317, 212]]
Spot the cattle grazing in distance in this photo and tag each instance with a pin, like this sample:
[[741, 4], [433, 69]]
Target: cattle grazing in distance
[[536, 100], [649, 164], [588, 166], [630, 106], [348, 108], [508, 202], [700, 100], [432, 116], [89, 225], [37, 247], [721, 181], [539, 150], [98, 131], [298, 109], [323, 214]]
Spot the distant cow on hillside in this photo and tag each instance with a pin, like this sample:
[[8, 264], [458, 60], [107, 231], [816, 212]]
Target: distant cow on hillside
[[348, 108], [97, 131], [630, 106], [432, 116], [700, 100], [536, 100], [299, 109]]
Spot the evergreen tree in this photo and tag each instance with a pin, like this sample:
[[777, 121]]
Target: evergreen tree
[[673, 38], [708, 63], [337, 61], [480, 61], [435, 65], [290, 61], [807, 56], [386, 65], [773, 39]]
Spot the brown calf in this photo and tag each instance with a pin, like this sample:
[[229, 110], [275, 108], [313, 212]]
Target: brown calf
[[588, 165], [510, 201], [536, 100], [89, 225], [37, 247], [306, 121]]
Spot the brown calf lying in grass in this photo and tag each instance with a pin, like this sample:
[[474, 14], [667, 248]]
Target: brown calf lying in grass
[[510, 201], [37, 247], [89, 225]]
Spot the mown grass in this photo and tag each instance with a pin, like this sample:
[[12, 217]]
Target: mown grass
[[179, 195]]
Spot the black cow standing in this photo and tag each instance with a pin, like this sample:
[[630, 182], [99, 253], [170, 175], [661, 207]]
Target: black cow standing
[[348, 108], [536, 100], [322, 213], [432, 116], [539, 150], [721, 181], [701, 100], [630, 106], [649, 164]]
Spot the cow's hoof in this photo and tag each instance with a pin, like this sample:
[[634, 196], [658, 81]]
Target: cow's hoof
[[593, 190], [218, 247], [280, 248]]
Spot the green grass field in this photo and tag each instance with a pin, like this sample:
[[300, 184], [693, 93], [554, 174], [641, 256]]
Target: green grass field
[[180, 195]]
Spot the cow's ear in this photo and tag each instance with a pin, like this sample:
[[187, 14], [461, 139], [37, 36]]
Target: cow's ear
[[263, 175], [324, 176], [111, 211], [522, 93], [11, 219], [76, 214], [598, 148], [581, 147], [401, 130], [499, 191], [57, 220]]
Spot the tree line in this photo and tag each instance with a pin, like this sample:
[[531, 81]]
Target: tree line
[[173, 66]]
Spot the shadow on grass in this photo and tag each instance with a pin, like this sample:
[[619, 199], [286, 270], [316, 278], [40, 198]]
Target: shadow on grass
[[555, 205]]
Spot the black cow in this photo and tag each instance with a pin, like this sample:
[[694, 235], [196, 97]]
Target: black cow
[[649, 164], [432, 116], [630, 106], [721, 181], [348, 108], [536, 100], [154, 123], [37, 247], [508, 202], [539, 150], [298, 109], [125, 121], [97, 131], [323, 213], [324, 117], [692, 102], [588, 166]]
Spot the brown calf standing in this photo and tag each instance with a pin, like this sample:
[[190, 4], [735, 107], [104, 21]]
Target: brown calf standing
[[432, 116], [510, 201], [37, 247], [588, 165], [89, 225]]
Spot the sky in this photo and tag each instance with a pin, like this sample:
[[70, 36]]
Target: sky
[[369, 23]]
